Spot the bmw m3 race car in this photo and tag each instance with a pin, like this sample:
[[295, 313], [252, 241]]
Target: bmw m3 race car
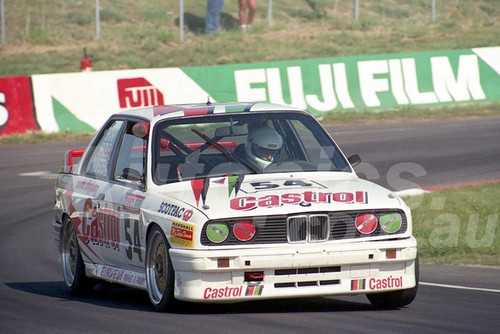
[[229, 203]]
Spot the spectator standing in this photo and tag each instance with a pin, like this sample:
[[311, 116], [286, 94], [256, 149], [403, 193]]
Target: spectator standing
[[246, 19], [212, 17]]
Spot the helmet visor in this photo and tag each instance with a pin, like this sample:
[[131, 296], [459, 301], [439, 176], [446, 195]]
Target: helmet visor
[[267, 154]]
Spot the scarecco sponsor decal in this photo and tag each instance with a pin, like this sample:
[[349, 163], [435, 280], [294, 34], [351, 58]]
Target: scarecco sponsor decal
[[305, 198], [182, 234]]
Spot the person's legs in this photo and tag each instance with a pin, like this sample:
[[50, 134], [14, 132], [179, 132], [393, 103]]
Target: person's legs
[[243, 12], [212, 17], [252, 8]]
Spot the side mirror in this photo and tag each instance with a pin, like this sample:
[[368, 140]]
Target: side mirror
[[141, 130], [354, 160]]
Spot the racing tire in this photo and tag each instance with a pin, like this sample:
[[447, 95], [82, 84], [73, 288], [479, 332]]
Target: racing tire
[[72, 263], [159, 271], [395, 299]]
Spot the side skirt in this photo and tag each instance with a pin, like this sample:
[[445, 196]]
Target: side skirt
[[129, 278]]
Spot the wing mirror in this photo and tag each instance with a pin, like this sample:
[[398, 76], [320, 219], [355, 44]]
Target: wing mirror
[[354, 160], [141, 130]]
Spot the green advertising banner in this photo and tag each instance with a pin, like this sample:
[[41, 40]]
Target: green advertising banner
[[83, 101], [359, 83]]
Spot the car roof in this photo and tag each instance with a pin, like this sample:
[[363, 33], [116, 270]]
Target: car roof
[[182, 110]]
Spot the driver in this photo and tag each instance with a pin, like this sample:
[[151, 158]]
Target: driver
[[263, 147]]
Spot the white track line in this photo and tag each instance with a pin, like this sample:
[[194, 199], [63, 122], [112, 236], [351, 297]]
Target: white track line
[[458, 287]]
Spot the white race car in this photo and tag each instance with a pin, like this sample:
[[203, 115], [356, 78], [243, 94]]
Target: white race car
[[229, 203]]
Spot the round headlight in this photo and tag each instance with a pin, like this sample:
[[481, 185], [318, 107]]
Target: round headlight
[[217, 232], [366, 223], [244, 230], [391, 222]]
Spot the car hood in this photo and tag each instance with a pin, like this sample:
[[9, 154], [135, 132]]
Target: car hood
[[273, 194]]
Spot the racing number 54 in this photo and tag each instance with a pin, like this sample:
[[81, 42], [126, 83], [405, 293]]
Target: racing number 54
[[265, 185], [134, 243]]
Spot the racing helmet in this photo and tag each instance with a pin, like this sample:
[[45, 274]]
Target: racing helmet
[[263, 146]]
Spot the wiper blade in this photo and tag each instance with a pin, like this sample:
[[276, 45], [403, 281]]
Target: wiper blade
[[228, 155]]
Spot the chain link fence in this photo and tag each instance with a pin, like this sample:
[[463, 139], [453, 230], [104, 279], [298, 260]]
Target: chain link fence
[[28, 21]]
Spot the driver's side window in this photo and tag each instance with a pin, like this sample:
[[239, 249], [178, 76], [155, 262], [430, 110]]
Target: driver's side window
[[131, 160], [99, 163]]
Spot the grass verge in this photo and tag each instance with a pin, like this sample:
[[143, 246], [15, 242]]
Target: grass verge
[[34, 137], [49, 36], [458, 226]]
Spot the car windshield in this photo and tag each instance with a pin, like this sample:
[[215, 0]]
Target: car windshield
[[243, 143]]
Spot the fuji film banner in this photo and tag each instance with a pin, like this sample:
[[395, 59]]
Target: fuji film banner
[[361, 83], [83, 101]]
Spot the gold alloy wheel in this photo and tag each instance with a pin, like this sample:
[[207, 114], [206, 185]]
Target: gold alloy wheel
[[69, 254], [157, 267]]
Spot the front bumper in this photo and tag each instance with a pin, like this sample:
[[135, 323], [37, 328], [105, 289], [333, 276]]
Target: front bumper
[[315, 270]]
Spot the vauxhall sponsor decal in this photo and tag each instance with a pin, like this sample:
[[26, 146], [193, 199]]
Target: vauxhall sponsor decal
[[305, 198]]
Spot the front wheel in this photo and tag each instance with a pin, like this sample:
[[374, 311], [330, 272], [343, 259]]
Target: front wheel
[[72, 264], [159, 270], [397, 298]]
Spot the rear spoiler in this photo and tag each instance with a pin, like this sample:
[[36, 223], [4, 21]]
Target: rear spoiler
[[68, 160]]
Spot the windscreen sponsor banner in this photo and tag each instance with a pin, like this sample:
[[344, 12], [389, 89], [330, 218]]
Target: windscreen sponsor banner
[[360, 83], [83, 101], [17, 114]]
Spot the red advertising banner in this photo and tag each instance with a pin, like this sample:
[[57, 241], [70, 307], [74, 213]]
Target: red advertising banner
[[17, 113]]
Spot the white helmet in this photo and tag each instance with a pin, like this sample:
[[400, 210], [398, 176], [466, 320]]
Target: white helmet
[[263, 146]]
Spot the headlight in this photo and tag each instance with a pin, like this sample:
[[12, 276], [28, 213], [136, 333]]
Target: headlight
[[217, 232], [391, 222], [366, 223], [244, 230]]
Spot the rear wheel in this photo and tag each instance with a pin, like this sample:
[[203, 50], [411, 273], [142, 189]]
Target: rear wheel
[[71, 258], [159, 271], [398, 298]]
